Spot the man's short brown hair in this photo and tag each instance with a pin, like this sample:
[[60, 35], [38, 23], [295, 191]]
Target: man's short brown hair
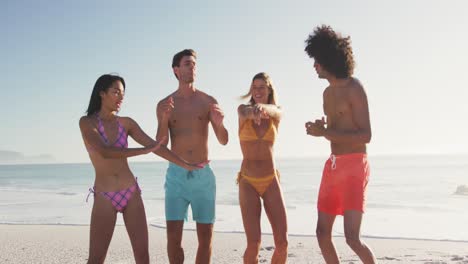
[[178, 57]]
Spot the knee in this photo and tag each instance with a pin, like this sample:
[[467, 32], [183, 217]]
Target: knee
[[354, 242], [322, 235], [205, 236], [205, 240], [253, 245], [282, 245], [174, 245], [204, 244], [173, 239]]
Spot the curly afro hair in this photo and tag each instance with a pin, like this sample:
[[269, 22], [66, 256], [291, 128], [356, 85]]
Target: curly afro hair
[[332, 51]]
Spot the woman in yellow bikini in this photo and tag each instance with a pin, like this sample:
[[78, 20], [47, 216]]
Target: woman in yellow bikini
[[258, 177]]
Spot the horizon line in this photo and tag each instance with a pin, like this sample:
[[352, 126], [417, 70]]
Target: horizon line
[[239, 159]]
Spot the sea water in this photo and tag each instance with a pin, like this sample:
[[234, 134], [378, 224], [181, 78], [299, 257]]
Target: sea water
[[408, 196]]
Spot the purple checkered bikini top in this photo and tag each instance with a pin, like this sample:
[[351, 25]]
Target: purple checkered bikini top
[[121, 140]]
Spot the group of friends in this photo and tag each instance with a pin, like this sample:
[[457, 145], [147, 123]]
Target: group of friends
[[184, 118]]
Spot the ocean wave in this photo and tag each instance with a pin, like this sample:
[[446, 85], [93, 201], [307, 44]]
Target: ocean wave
[[163, 226], [43, 223], [19, 203], [154, 198], [417, 207], [66, 193], [229, 202], [404, 238], [462, 190], [38, 191]]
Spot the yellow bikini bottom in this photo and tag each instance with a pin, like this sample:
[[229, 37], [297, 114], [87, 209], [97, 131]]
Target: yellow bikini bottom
[[259, 184]]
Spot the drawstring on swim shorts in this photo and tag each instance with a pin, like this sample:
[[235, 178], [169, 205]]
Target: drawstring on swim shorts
[[333, 161]]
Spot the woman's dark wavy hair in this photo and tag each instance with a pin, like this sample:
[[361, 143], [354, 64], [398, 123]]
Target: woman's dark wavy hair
[[332, 51], [102, 84]]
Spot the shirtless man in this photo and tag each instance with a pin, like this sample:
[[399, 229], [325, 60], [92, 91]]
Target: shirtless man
[[184, 115], [347, 127]]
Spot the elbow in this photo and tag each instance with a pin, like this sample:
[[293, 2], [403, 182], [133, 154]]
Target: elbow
[[164, 140], [161, 151], [223, 142], [223, 137]]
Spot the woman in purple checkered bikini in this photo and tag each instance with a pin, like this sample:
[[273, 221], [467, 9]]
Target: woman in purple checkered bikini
[[115, 187]]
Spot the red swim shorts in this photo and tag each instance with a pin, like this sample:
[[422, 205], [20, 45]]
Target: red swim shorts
[[344, 184]]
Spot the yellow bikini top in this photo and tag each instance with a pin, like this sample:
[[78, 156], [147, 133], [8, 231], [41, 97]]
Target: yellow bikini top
[[247, 132]]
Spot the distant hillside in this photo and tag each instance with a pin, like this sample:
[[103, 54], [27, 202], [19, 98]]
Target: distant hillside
[[13, 157]]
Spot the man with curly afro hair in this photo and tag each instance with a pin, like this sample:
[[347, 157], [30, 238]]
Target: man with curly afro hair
[[347, 127]]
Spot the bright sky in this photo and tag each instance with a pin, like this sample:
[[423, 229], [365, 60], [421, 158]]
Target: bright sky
[[411, 57]]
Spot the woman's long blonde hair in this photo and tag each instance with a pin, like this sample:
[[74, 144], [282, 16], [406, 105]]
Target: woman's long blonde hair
[[272, 98]]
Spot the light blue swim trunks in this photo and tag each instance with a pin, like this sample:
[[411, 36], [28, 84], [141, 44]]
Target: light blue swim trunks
[[197, 188]]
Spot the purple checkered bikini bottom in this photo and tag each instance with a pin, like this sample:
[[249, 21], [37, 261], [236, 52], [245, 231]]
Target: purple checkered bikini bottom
[[119, 199]]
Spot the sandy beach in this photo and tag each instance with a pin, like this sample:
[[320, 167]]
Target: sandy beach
[[69, 244]]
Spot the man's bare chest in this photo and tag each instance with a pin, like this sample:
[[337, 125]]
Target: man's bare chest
[[189, 116], [336, 105]]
